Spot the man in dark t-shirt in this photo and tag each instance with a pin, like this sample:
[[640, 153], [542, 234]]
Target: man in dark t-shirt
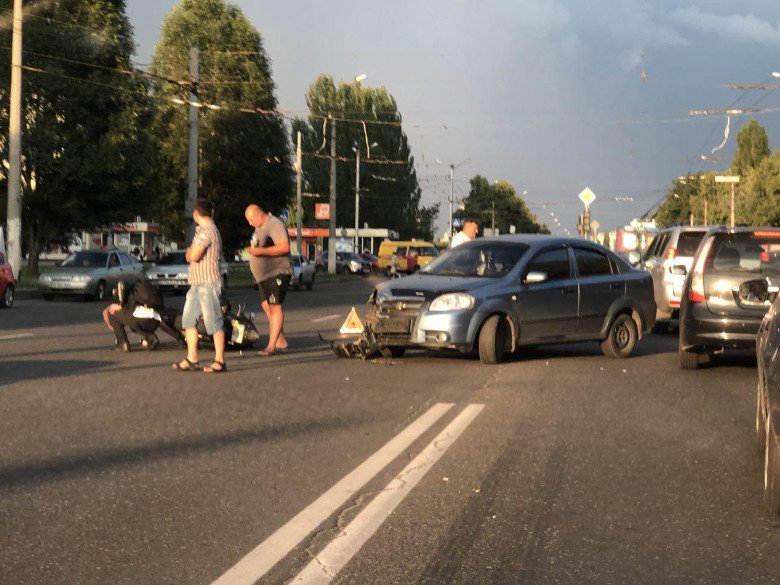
[[269, 261]]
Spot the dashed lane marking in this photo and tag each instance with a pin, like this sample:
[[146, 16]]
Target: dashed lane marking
[[326, 565], [326, 318], [277, 546], [15, 336]]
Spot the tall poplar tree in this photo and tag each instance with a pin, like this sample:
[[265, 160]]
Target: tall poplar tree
[[244, 157], [367, 119]]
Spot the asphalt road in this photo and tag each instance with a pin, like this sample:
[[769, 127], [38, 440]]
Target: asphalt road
[[561, 466]]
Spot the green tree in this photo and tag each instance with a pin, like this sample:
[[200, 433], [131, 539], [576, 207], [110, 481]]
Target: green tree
[[499, 201], [86, 158], [752, 148], [244, 156], [390, 193]]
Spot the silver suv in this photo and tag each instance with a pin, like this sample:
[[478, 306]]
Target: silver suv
[[668, 260]]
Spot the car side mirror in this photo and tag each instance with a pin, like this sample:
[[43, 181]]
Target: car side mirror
[[679, 270], [535, 277]]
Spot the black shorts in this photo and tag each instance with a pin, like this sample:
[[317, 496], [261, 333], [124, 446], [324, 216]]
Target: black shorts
[[274, 289]]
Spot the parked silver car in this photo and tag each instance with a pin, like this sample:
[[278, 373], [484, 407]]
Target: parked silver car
[[499, 294], [172, 271], [91, 274], [303, 272], [668, 259]]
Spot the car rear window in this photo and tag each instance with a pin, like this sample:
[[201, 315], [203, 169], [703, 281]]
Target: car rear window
[[753, 252], [688, 242]]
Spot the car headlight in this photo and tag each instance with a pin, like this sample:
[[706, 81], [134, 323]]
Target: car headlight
[[182, 275], [82, 278], [452, 302]]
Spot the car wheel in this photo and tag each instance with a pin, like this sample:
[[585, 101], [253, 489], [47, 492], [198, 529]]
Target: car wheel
[[310, 284], [100, 291], [771, 472], [494, 340], [621, 337], [760, 419], [8, 297], [689, 360]]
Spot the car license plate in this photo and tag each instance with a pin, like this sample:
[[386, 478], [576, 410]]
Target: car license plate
[[169, 282], [393, 325]]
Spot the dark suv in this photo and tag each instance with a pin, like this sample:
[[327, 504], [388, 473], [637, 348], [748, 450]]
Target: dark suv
[[732, 283]]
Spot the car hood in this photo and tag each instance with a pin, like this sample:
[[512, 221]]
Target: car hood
[[168, 268], [71, 271], [429, 287]]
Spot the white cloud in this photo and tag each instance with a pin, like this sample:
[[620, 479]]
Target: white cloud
[[741, 28]]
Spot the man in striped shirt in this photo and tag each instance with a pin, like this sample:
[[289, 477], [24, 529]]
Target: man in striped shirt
[[204, 256]]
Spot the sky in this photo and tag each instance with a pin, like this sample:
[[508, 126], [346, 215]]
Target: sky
[[550, 95]]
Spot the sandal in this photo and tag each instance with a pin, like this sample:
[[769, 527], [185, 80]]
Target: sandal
[[190, 367], [266, 353], [212, 370]]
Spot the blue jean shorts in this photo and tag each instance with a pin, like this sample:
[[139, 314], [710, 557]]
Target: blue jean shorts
[[203, 299]]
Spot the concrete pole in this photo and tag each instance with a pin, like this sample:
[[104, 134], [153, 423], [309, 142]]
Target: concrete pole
[[332, 221], [14, 208], [732, 205], [357, 202], [298, 196], [192, 161]]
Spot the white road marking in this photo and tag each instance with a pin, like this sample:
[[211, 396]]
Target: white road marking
[[277, 546], [15, 336], [326, 318], [326, 565]]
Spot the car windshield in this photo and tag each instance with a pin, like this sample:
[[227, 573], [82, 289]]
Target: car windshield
[[173, 258], [486, 260], [85, 260], [755, 252]]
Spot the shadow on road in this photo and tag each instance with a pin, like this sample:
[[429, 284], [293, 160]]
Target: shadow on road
[[19, 371], [58, 468]]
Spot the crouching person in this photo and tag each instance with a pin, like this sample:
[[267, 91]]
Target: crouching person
[[139, 312]]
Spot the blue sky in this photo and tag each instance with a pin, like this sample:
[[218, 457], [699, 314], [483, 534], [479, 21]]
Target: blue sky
[[547, 94]]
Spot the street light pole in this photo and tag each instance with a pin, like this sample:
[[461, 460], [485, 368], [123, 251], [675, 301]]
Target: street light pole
[[357, 199], [452, 191], [733, 179]]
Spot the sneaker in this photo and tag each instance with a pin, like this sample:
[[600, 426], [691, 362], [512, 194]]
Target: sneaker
[[122, 346]]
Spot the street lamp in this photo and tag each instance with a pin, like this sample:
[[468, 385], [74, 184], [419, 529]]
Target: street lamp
[[357, 192]]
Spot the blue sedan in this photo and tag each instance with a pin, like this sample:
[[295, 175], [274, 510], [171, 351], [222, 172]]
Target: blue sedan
[[496, 295]]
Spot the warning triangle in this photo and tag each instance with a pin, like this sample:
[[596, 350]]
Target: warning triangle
[[352, 324]]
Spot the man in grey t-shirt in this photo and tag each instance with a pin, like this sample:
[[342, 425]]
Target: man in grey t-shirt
[[269, 261]]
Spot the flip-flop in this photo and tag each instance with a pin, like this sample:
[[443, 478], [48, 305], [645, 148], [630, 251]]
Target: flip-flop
[[212, 370], [190, 367]]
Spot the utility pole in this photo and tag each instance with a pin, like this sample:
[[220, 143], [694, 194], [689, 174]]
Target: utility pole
[[332, 220], [15, 146], [452, 192], [192, 161], [705, 211], [298, 197], [493, 223], [357, 201]]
